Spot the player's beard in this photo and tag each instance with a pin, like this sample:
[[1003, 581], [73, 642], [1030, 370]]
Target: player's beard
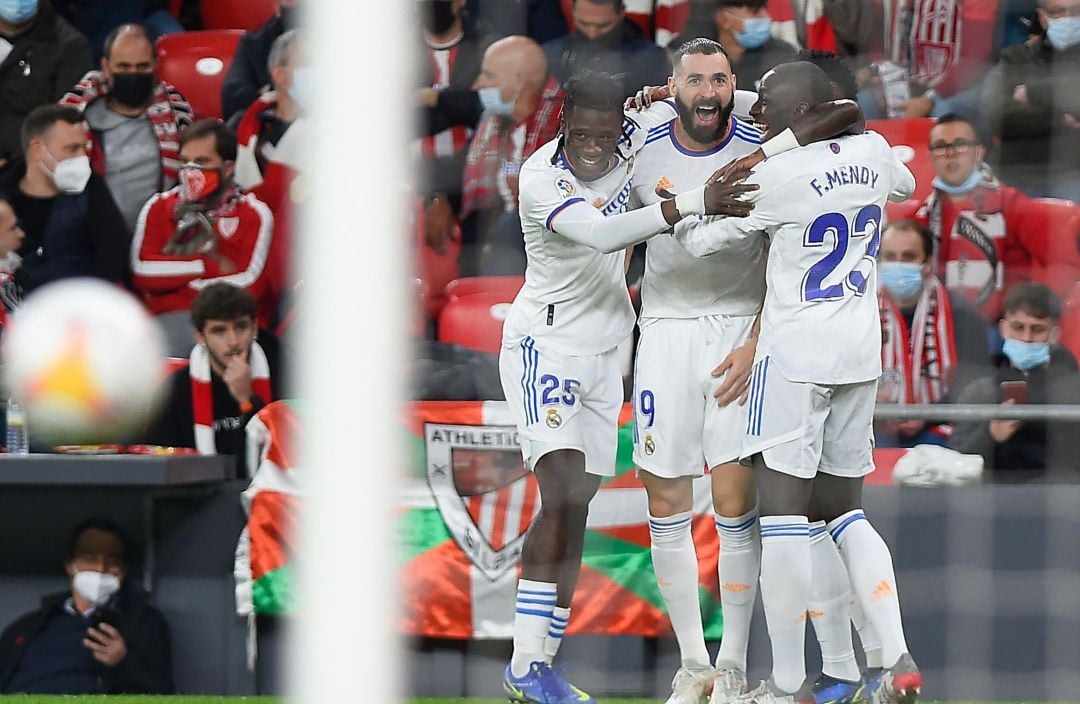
[[704, 134]]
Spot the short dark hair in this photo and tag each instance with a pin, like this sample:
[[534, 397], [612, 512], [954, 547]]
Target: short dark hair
[[834, 67], [1035, 299], [102, 524], [135, 27], [754, 5], [221, 301], [42, 118], [618, 4], [925, 236], [593, 90], [224, 136], [698, 45], [957, 117]]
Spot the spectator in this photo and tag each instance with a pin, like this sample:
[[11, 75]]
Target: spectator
[[604, 40], [1014, 448], [72, 225], [97, 19], [522, 106], [11, 236], [202, 231], [987, 234], [248, 76], [491, 20], [1032, 105], [135, 120], [233, 371], [101, 636], [744, 28], [803, 24], [933, 341], [41, 57]]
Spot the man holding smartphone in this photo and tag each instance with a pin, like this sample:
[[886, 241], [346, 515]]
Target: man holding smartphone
[[1030, 369]]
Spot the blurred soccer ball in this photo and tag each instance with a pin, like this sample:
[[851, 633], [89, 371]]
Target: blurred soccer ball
[[85, 361]]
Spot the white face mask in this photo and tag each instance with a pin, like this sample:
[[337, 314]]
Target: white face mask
[[96, 587], [70, 175]]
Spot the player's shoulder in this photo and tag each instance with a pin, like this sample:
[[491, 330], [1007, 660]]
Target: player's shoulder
[[545, 159], [659, 113], [743, 131]]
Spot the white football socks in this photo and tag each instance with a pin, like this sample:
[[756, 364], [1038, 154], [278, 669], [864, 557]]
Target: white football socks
[[532, 623], [676, 567], [785, 592], [560, 616], [870, 566], [868, 637], [830, 604], [739, 568]]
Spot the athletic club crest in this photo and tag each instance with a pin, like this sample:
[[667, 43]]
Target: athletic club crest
[[485, 495]]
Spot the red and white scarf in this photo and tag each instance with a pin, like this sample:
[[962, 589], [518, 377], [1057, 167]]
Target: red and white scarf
[[169, 114], [925, 356], [202, 395]]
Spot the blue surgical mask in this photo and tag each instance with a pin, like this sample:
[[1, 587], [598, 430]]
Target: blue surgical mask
[[302, 87], [17, 11], [492, 101], [1026, 355], [755, 32], [902, 279], [1063, 32], [969, 184]]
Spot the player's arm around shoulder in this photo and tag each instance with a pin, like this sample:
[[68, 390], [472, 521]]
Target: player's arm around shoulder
[[703, 236]]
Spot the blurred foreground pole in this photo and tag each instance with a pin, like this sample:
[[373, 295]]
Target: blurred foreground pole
[[351, 340]]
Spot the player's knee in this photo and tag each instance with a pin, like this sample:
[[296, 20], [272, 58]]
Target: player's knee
[[668, 496], [733, 491]]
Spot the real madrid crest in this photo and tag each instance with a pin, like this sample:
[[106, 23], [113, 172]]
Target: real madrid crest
[[554, 420], [650, 446]]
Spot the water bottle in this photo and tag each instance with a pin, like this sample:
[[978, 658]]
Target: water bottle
[[18, 437]]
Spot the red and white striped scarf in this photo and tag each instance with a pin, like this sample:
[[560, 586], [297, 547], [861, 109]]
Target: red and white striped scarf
[[202, 395], [169, 114], [926, 355], [492, 154]]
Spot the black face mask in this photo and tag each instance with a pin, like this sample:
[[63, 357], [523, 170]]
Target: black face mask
[[438, 15], [133, 89], [288, 17]]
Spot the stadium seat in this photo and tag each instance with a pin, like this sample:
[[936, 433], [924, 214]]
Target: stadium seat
[[1070, 322], [196, 63], [911, 139], [437, 269], [174, 363], [475, 321], [1058, 264], [505, 286], [236, 14]]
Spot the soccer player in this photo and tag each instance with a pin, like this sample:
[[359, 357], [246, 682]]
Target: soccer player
[[809, 428], [696, 314], [558, 364]]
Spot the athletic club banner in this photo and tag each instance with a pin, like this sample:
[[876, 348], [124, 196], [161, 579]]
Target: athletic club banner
[[467, 505]]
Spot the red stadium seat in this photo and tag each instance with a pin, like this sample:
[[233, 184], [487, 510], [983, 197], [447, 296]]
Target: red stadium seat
[[475, 321], [196, 63], [236, 14], [911, 138], [1057, 263], [505, 286], [1070, 322], [437, 269], [172, 364]]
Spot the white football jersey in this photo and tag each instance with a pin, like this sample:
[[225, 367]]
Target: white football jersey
[[822, 207], [575, 298], [677, 285]]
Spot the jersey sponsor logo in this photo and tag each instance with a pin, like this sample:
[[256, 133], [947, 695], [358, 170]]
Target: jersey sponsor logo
[[484, 493], [564, 187]]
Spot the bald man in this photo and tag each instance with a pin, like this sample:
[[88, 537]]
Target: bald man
[[521, 104]]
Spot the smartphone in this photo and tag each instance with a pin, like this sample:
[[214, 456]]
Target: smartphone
[[1015, 390]]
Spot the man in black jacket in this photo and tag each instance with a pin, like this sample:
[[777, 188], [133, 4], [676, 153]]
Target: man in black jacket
[[41, 57], [249, 74], [101, 637]]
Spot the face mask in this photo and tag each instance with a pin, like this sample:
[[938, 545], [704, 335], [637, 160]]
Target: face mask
[[198, 184], [96, 587], [438, 15], [1063, 32], [70, 175], [1026, 355], [902, 279], [133, 89], [969, 184], [755, 32], [301, 88], [17, 11], [288, 17], [491, 100]]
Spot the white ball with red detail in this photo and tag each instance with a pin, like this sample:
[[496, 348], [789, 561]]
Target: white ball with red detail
[[85, 360]]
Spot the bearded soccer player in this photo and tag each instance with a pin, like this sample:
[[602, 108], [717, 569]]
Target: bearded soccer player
[[809, 426]]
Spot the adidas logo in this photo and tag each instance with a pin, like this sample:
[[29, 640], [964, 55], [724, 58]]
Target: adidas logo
[[736, 587], [882, 590]]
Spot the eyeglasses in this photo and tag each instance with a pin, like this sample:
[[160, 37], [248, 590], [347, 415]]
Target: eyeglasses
[[960, 146]]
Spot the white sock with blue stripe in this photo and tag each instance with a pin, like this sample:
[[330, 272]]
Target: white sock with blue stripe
[[785, 592], [868, 637], [739, 568], [869, 564], [830, 606], [560, 616], [676, 567], [532, 621]]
